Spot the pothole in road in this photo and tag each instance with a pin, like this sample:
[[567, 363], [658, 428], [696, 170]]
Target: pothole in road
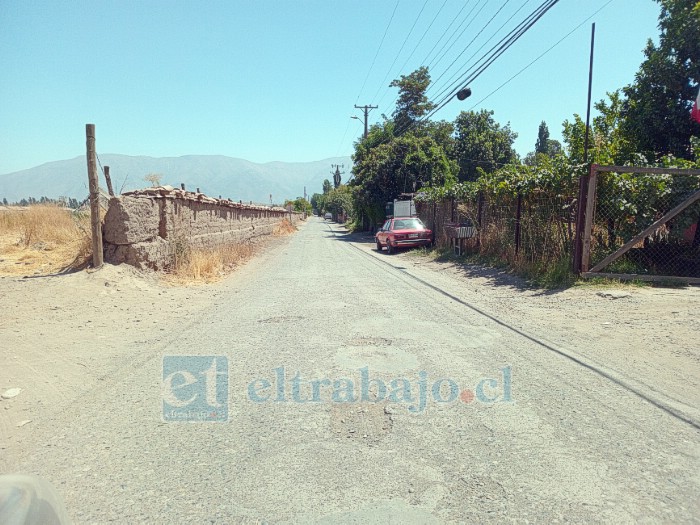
[[369, 341], [376, 357], [365, 422], [281, 319], [473, 490]]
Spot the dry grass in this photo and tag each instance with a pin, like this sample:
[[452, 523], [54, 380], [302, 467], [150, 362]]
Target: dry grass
[[285, 227], [204, 265], [43, 239], [201, 265]]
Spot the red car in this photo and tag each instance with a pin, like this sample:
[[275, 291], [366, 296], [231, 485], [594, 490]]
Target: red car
[[403, 232]]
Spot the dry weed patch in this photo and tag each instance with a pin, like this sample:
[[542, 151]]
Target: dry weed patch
[[43, 239], [285, 227], [196, 265]]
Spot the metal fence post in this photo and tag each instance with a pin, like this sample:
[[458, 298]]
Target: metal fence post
[[518, 211]]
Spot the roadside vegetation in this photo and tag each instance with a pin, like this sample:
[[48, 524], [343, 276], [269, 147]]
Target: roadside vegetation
[[43, 239], [469, 165], [196, 265]]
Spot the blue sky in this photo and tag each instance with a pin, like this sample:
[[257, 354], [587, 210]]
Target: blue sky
[[276, 80]]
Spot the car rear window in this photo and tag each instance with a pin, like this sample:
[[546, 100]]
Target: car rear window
[[408, 224]]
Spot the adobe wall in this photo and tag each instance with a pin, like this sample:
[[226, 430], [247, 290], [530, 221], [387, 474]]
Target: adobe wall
[[146, 228]]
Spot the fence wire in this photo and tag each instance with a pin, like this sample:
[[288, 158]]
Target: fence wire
[[627, 204], [534, 230]]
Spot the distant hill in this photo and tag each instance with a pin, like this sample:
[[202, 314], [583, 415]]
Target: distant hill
[[214, 175]]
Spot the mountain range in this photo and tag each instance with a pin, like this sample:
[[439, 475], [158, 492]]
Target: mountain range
[[214, 175]]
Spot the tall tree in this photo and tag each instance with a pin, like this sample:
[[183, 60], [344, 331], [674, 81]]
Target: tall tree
[[327, 186], [412, 103], [607, 141], [400, 165], [481, 142], [657, 110], [542, 144]]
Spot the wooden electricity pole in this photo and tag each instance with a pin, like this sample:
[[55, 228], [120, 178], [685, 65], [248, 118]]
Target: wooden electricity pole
[[366, 109], [95, 221]]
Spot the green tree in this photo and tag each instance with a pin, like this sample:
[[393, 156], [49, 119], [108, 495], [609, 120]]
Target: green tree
[[657, 110], [542, 144], [317, 202], [4, 201], [327, 187], [412, 102], [481, 142], [607, 142], [339, 201], [299, 204], [402, 165]]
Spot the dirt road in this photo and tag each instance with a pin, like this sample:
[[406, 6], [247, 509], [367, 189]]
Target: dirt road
[[361, 388]]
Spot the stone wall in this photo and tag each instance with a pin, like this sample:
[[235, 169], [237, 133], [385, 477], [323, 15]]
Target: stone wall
[[148, 228]]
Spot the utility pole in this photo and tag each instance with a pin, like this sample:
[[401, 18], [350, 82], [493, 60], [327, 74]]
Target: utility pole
[[366, 109], [336, 174], [585, 179]]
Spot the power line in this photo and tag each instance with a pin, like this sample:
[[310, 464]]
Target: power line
[[418, 44], [543, 54], [378, 49], [482, 45], [399, 53], [494, 53], [502, 45], [424, 33], [449, 41], [342, 141], [447, 29], [488, 58]]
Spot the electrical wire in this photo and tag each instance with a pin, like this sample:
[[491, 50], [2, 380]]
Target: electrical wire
[[482, 45], [454, 19], [493, 54], [399, 53], [495, 51], [465, 30], [448, 42], [424, 33], [378, 49], [403, 67], [543, 54], [488, 59]]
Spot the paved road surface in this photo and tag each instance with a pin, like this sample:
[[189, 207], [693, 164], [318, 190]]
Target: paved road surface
[[531, 437]]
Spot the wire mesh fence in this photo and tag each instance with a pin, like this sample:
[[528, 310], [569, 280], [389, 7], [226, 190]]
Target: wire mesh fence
[[533, 231], [644, 223]]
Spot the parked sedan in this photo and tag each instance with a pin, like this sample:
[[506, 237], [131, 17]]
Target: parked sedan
[[403, 232]]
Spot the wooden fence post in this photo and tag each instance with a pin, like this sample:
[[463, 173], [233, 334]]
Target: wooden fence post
[[479, 218], [588, 219], [109, 182], [518, 212], [95, 221]]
